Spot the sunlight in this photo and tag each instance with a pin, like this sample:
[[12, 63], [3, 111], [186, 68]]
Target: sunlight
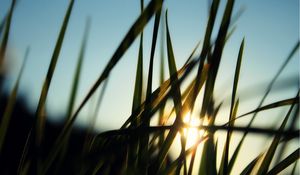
[[192, 134]]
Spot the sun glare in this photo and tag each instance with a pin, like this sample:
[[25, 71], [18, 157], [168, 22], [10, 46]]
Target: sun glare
[[192, 133]]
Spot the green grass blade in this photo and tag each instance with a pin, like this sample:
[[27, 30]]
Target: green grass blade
[[77, 74], [208, 163], [133, 156], [277, 104], [206, 45], [271, 151], [272, 106], [247, 170], [177, 104], [6, 32], [134, 31], [224, 162], [10, 104], [74, 91], [40, 118], [216, 57], [233, 110], [291, 127], [2, 24], [294, 168], [293, 157]]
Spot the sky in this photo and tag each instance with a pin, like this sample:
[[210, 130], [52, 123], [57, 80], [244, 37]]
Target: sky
[[270, 29]]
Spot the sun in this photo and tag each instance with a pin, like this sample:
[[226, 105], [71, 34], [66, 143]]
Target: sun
[[192, 133]]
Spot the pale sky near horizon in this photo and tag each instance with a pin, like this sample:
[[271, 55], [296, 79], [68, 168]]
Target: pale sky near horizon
[[270, 29]]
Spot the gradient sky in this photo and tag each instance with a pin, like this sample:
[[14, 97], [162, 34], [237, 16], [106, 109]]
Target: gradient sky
[[270, 28]]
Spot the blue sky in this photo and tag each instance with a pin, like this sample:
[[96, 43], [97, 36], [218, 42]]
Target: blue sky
[[270, 29]]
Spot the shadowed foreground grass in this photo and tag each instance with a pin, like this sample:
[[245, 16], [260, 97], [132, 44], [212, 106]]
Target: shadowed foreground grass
[[138, 147]]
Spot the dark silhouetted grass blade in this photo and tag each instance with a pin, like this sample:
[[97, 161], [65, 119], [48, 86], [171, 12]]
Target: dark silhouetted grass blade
[[7, 23], [224, 167], [263, 169], [10, 104], [293, 157], [216, 57]]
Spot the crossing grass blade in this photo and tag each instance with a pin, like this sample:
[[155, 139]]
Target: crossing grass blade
[[134, 31], [177, 105], [11, 103], [294, 168], [208, 162], [263, 168], [291, 127], [290, 159]]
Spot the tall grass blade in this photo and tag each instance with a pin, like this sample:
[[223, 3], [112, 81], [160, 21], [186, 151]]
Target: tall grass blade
[[216, 57], [293, 157], [10, 104], [7, 22], [177, 104], [233, 110], [133, 156], [40, 118], [266, 94], [74, 89], [134, 31]]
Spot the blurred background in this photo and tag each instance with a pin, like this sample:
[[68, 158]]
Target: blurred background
[[270, 29]]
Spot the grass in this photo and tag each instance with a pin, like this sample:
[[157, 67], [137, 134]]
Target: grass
[[138, 147]]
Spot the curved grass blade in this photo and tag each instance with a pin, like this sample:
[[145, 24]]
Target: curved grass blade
[[293, 157], [10, 104], [271, 106]]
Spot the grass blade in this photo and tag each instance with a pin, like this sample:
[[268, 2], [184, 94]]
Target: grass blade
[[271, 151], [40, 120], [216, 57], [10, 104], [6, 32], [233, 110], [250, 166], [293, 157], [177, 104], [134, 31]]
